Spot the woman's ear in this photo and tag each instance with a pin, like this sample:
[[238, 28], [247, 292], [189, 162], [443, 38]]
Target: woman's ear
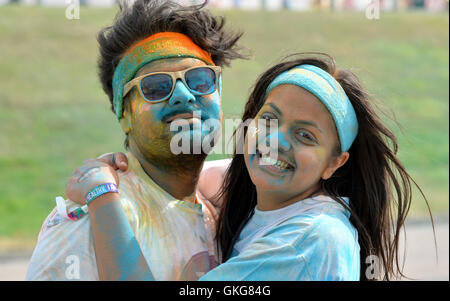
[[334, 164], [125, 120]]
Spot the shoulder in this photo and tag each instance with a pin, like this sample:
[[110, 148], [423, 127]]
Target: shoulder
[[317, 215], [327, 227], [326, 246], [327, 231], [330, 248], [211, 178], [213, 170], [61, 245], [334, 233], [327, 243]]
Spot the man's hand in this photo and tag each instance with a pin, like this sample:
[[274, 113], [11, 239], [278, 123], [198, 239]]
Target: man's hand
[[88, 176]]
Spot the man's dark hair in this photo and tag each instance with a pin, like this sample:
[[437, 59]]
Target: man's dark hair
[[142, 18]]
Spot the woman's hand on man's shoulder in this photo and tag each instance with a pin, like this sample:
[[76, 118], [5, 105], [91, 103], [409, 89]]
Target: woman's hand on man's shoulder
[[94, 173]]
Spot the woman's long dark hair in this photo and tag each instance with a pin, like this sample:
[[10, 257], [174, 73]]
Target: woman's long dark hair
[[376, 182]]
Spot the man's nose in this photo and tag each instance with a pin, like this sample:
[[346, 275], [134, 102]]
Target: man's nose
[[181, 95]]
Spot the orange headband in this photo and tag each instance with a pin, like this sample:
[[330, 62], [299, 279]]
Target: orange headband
[[167, 42], [161, 45]]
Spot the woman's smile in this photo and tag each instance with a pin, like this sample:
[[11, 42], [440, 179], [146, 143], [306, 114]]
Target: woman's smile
[[274, 165]]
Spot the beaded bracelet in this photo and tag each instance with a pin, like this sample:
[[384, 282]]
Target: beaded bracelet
[[77, 213], [100, 190]]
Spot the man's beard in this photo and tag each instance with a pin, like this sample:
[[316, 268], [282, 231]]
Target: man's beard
[[159, 154]]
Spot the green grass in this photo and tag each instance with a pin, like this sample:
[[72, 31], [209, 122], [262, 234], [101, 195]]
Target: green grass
[[54, 114]]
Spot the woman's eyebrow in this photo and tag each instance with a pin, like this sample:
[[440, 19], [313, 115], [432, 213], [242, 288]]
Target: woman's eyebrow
[[308, 122], [275, 108], [304, 122]]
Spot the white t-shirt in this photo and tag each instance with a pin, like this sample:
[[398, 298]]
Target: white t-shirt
[[263, 221], [312, 239]]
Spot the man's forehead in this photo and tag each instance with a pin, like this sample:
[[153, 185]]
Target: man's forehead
[[169, 64]]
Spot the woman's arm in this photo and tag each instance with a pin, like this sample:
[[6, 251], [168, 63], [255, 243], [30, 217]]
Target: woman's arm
[[209, 183], [118, 254], [117, 251]]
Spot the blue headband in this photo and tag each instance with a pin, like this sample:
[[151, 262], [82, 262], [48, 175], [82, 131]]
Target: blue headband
[[322, 85]]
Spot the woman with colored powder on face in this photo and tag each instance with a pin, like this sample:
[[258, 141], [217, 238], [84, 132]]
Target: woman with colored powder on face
[[335, 195]]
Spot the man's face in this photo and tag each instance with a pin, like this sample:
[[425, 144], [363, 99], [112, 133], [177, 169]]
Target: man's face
[[149, 124]]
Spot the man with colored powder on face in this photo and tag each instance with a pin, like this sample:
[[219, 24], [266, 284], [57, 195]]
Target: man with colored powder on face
[[159, 66]]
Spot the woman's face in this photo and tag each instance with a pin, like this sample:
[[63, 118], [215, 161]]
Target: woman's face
[[307, 143]]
